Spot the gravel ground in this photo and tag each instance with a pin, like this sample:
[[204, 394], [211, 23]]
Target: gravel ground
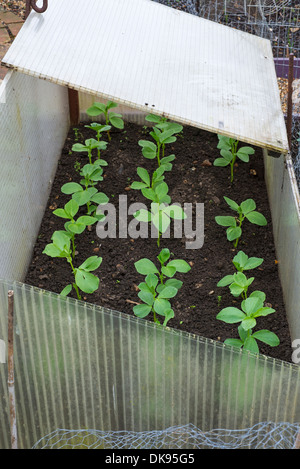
[[16, 6]]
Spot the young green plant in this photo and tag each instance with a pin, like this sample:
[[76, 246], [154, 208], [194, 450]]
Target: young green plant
[[251, 309], [238, 282], [84, 280], [159, 286], [234, 224], [90, 145], [160, 213], [99, 129], [163, 133], [74, 226], [111, 118], [229, 153]]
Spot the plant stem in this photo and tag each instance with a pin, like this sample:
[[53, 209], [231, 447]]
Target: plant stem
[[74, 284], [158, 151], [73, 246]]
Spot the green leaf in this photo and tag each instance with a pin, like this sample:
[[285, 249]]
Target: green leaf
[[86, 281], [138, 185], [71, 187], [78, 147], [248, 323], [240, 260], [143, 215], [250, 345], [141, 311], [144, 175], [149, 194], [172, 282], [60, 212], [145, 266], [144, 287], [224, 142], [241, 279], [225, 221], [180, 265], [164, 255], [232, 204], [248, 206], [116, 121], [82, 198], [149, 149], [251, 305], [66, 290], [100, 161], [168, 292], [169, 314], [236, 290], [61, 239], [168, 271], [146, 297], [96, 109], [161, 190], [71, 208], [111, 104], [233, 233], [259, 294], [52, 251], [253, 262], [161, 305], [267, 337], [90, 264], [151, 281], [153, 118], [234, 342], [244, 152], [86, 220], [230, 315], [265, 311], [221, 162], [227, 155], [100, 198], [227, 280], [257, 218]]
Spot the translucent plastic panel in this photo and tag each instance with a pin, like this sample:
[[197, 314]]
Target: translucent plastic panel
[[78, 366], [34, 121]]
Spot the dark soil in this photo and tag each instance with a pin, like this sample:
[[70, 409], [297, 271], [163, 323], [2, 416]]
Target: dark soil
[[192, 180]]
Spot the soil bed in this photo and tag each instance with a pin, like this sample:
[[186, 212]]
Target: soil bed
[[193, 180]]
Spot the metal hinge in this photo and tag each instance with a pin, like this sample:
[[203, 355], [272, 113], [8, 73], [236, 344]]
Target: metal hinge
[[32, 4]]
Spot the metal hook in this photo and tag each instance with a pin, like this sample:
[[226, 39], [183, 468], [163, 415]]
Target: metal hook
[[32, 4]]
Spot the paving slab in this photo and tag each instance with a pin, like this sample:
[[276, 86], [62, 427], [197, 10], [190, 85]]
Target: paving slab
[[10, 25], [9, 17]]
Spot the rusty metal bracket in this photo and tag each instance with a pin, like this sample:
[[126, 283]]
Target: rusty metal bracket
[[32, 4]]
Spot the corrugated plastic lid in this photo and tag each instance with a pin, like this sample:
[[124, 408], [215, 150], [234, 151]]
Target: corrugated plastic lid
[[154, 58]]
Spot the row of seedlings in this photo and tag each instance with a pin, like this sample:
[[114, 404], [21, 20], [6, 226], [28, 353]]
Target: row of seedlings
[[253, 304], [82, 210], [159, 286]]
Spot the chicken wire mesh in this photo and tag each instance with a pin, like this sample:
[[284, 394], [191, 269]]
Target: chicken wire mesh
[[264, 435]]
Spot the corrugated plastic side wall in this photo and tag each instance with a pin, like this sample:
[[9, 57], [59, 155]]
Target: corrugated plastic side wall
[[284, 202], [79, 365], [33, 126]]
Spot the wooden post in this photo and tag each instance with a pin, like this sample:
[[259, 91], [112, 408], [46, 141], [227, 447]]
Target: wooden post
[[73, 106], [11, 379]]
